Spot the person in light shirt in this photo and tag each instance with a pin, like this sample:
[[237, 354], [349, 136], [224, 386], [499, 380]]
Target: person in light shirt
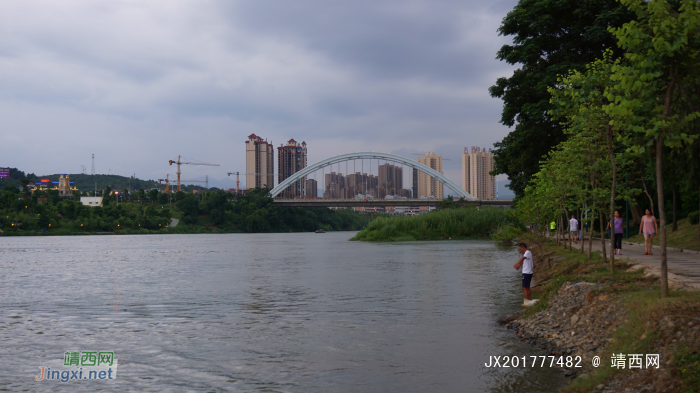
[[527, 264], [573, 229]]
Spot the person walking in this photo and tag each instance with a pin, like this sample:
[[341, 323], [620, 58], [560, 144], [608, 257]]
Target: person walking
[[579, 229], [573, 229], [552, 226], [649, 227], [527, 263], [617, 226]]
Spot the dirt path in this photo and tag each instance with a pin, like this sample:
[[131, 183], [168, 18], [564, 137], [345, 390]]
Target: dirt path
[[683, 267]]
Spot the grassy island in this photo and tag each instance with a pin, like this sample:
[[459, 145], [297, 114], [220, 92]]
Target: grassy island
[[461, 223]]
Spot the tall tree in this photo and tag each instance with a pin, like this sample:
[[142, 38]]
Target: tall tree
[[662, 60], [550, 38]]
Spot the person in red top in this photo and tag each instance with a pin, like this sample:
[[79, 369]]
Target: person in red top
[[649, 228]]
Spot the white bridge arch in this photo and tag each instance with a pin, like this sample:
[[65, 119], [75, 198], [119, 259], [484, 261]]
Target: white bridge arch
[[370, 155]]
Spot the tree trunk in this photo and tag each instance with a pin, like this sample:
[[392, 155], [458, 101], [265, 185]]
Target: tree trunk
[[662, 217], [660, 186], [675, 212], [590, 236], [651, 201], [608, 133], [580, 219], [602, 237], [566, 216]]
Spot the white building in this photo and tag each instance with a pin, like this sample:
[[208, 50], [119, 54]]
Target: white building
[[91, 201]]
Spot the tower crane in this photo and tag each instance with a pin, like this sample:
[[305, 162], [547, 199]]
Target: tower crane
[[167, 182], [237, 180], [244, 174], [178, 162]]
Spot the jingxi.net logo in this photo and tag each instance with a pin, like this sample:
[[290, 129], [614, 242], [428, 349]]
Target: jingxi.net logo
[[85, 365]]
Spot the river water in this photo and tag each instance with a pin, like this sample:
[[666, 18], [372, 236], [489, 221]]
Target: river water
[[300, 312]]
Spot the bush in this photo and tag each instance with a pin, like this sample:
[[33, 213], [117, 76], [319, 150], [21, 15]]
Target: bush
[[694, 217], [464, 223], [505, 235]]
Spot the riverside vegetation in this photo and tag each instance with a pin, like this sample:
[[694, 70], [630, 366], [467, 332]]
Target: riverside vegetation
[[457, 223], [24, 213], [584, 310]]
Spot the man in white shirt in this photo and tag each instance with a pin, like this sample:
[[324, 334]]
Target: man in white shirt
[[527, 264], [573, 229]]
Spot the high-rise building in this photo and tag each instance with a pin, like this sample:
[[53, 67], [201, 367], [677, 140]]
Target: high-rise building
[[259, 163], [427, 186], [291, 158], [390, 179], [311, 188], [476, 177]]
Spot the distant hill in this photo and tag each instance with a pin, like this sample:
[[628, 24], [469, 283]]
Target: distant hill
[[115, 182], [84, 182]]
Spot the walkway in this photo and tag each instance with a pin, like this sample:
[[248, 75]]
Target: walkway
[[173, 222], [683, 267]]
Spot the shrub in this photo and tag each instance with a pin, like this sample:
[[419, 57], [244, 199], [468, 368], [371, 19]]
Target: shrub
[[694, 217]]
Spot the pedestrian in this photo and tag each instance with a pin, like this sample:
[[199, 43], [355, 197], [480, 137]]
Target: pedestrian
[[552, 226], [527, 264], [649, 228], [573, 229], [617, 226], [579, 229]]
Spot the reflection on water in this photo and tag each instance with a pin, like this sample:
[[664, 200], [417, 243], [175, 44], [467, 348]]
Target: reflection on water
[[263, 312]]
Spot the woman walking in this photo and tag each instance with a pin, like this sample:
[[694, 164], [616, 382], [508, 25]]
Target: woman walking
[[649, 227], [617, 225]]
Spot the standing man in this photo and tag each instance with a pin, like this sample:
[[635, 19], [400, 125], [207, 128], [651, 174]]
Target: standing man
[[552, 226], [527, 264], [580, 237], [573, 229]]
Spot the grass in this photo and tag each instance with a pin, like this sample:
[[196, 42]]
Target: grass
[[686, 237], [462, 223], [641, 332]]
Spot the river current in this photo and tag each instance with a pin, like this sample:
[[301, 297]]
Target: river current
[[297, 312]]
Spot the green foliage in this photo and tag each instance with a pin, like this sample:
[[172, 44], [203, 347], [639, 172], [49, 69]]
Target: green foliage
[[694, 218], [507, 234], [550, 38], [463, 223], [215, 211]]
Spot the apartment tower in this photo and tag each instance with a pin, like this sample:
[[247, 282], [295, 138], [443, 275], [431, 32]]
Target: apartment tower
[[427, 186], [476, 178], [291, 158], [259, 163]]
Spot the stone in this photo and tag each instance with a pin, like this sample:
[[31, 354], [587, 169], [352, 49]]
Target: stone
[[574, 319], [600, 387], [559, 343]]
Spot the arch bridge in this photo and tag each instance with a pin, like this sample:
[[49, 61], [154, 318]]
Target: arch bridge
[[370, 155]]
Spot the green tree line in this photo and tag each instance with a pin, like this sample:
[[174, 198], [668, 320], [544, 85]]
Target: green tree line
[[631, 122]]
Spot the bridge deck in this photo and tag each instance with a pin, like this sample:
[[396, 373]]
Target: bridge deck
[[380, 202]]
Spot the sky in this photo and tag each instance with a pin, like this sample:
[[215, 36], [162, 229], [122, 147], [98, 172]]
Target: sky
[[138, 83]]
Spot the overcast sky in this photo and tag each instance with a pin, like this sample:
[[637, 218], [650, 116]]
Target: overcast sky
[[139, 82]]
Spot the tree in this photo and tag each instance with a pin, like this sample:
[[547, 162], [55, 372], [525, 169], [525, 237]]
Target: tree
[[662, 60], [550, 38]]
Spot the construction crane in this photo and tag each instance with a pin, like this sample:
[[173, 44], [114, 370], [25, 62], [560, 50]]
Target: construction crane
[[167, 182], [178, 162], [244, 174], [237, 180], [422, 154]]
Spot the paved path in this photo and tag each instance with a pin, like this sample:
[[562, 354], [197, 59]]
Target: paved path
[[173, 222], [683, 267]]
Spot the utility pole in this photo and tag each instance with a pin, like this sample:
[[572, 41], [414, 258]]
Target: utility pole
[[93, 164]]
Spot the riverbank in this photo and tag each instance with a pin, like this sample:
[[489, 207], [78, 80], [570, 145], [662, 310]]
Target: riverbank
[[448, 224], [585, 311]]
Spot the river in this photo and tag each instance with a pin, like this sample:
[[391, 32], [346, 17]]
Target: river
[[297, 312]]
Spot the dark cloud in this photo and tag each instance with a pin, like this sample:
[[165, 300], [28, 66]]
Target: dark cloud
[[139, 83]]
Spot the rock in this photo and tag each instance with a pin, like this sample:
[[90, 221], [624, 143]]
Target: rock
[[559, 343], [574, 319], [600, 387]]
